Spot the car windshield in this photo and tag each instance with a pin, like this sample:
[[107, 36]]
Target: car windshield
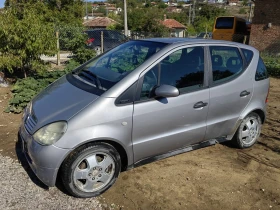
[[106, 70]]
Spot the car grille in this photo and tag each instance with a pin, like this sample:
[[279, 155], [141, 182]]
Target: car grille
[[30, 123]]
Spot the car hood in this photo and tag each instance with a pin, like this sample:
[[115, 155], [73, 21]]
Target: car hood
[[59, 101]]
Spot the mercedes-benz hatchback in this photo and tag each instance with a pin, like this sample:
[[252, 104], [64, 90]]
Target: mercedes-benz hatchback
[[142, 101]]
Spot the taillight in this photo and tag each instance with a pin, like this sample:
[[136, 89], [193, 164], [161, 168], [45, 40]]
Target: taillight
[[266, 100]]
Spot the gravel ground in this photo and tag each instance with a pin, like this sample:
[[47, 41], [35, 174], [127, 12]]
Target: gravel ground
[[18, 191]]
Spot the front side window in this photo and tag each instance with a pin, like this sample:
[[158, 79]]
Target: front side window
[[108, 69], [183, 69], [227, 63]]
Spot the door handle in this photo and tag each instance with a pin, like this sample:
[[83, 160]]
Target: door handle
[[244, 93], [200, 104]]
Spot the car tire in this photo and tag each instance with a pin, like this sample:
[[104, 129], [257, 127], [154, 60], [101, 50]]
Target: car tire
[[248, 131], [91, 170]]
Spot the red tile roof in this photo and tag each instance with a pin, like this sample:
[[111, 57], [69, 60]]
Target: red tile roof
[[111, 8], [99, 22], [171, 23]]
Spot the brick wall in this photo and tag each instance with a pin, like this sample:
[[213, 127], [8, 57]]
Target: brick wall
[[262, 37]]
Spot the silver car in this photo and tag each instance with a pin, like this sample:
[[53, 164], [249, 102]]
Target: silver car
[[142, 101]]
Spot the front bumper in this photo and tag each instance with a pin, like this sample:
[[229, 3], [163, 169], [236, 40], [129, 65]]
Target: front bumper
[[43, 160]]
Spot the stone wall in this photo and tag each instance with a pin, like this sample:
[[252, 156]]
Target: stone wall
[[263, 37]]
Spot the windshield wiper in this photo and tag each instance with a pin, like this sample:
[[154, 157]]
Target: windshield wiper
[[85, 73]]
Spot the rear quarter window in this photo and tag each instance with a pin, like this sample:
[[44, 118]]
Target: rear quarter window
[[248, 54], [261, 72]]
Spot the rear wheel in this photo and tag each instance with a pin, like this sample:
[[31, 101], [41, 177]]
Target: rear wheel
[[248, 131], [91, 170]]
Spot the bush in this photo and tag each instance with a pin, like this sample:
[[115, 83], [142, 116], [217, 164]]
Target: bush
[[25, 89], [272, 64], [242, 11]]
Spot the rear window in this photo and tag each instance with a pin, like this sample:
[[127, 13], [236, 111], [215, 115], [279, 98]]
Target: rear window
[[224, 23], [261, 72], [248, 54]]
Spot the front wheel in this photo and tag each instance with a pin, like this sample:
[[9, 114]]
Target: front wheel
[[91, 170], [248, 131]]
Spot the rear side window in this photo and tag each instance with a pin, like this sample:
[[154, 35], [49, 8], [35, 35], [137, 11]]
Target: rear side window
[[261, 72], [248, 54], [227, 63]]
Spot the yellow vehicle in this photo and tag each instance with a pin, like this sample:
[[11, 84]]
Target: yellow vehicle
[[231, 29]]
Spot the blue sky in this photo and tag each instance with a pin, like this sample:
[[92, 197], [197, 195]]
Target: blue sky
[[2, 3]]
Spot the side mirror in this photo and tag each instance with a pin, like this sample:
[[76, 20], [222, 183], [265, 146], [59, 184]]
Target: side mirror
[[166, 91]]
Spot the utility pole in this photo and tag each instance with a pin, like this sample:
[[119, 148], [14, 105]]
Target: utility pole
[[190, 14], [193, 17], [125, 18], [86, 10], [250, 13]]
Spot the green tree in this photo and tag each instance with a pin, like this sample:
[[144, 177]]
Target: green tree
[[206, 16], [25, 39], [162, 5], [245, 2], [27, 31], [180, 17]]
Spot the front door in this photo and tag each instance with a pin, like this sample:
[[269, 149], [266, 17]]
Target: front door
[[166, 124]]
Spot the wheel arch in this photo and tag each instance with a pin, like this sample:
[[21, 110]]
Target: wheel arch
[[258, 111], [261, 113], [120, 149]]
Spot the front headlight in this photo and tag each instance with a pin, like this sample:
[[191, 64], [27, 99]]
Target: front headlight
[[51, 133]]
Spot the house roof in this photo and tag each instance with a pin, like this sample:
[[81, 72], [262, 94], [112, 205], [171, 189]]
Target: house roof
[[99, 22], [111, 8], [171, 23]]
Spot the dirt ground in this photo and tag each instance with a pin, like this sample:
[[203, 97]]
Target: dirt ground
[[216, 177]]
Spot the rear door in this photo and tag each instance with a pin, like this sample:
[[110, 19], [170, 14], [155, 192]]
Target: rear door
[[231, 88], [166, 124]]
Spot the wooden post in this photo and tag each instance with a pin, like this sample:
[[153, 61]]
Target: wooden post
[[101, 41], [245, 39], [58, 50]]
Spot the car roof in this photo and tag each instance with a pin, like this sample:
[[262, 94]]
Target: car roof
[[188, 41], [172, 42], [195, 41]]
